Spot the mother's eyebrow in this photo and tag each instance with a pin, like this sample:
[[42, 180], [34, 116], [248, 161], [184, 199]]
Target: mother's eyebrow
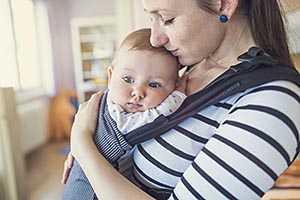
[[155, 11]]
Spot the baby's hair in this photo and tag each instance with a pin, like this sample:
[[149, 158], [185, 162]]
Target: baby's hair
[[139, 40]]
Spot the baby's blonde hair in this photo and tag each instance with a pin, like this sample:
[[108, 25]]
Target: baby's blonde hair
[[139, 40]]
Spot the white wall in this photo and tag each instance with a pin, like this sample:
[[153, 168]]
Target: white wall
[[91, 8], [33, 117], [140, 18], [8, 63], [58, 12]]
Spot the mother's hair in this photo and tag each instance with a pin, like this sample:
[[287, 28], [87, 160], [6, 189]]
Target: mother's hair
[[266, 23]]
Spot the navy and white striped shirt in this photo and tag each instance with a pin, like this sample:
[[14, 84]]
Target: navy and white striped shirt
[[235, 149]]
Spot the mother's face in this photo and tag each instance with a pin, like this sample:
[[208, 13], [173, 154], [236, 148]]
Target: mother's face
[[183, 28]]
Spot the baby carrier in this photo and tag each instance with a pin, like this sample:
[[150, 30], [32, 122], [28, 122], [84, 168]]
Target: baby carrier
[[256, 68]]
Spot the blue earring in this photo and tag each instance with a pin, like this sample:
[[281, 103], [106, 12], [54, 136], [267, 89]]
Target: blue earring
[[223, 18]]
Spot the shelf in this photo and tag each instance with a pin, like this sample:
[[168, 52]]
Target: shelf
[[95, 38], [94, 42], [88, 75], [97, 55], [89, 86], [90, 38], [97, 78]]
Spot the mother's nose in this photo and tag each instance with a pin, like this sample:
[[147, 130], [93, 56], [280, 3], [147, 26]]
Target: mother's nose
[[158, 37]]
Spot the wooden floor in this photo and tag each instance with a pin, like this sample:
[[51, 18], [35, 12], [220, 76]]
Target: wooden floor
[[45, 167]]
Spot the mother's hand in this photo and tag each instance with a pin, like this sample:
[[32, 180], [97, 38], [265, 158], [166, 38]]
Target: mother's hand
[[83, 127], [85, 123]]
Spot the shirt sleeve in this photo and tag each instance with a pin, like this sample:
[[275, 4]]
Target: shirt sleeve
[[253, 145], [127, 122]]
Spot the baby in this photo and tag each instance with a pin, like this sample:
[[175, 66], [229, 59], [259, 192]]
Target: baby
[[142, 85]]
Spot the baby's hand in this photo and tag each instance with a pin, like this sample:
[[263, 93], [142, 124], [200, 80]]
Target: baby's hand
[[181, 84]]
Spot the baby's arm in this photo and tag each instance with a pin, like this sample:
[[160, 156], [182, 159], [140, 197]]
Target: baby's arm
[[130, 121]]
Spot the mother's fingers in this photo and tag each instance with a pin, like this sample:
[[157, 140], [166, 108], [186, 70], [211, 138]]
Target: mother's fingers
[[93, 103], [95, 98], [86, 117], [83, 105], [68, 164]]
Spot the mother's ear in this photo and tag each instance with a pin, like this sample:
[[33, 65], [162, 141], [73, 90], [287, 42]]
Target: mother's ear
[[228, 7]]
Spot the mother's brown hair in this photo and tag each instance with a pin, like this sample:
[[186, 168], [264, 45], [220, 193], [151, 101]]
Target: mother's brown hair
[[266, 24]]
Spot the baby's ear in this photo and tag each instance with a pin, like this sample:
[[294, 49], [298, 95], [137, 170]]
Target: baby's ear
[[109, 71]]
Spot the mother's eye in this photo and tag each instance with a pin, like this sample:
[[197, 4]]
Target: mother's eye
[[154, 85], [128, 79], [169, 21]]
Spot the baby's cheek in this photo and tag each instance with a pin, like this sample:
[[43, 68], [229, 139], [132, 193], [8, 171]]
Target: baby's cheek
[[120, 95], [156, 98]]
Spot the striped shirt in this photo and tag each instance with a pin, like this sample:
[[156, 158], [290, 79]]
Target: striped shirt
[[235, 149]]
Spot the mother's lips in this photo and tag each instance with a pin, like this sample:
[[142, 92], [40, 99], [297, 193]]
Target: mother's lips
[[174, 52]]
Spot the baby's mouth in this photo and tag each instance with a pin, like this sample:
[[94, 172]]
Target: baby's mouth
[[134, 106]]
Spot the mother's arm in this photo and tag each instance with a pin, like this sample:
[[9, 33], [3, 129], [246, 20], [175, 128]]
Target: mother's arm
[[105, 180]]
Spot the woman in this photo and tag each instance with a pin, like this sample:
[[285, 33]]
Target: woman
[[235, 149]]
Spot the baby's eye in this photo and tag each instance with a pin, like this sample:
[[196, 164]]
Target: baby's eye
[[128, 79], [154, 85]]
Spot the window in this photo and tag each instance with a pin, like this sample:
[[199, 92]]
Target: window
[[26, 44], [8, 65], [26, 56]]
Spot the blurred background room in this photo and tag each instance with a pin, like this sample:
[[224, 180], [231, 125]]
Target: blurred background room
[[53, 56]]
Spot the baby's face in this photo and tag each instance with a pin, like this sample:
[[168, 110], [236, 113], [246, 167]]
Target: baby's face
[[141, 80]]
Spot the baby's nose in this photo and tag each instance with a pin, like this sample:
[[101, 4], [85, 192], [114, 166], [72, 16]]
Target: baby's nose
[[138, 94]]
